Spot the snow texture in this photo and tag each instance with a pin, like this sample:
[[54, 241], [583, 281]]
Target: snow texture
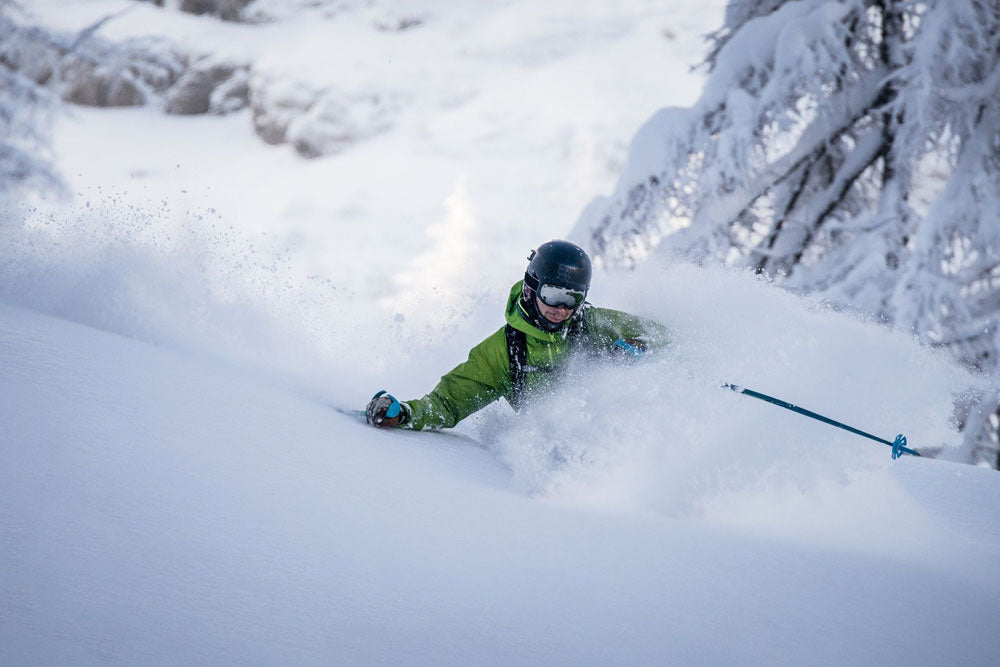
[[159, 507]]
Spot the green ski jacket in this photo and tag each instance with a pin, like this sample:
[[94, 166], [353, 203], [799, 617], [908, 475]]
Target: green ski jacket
[[485, 375]]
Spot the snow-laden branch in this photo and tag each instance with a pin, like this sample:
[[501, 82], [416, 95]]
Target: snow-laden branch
[[846, 148]]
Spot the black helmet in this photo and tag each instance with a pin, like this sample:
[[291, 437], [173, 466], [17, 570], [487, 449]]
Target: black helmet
[[558, 264]]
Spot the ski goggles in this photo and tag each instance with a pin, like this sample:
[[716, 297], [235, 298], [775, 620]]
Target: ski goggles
[[564, 297]]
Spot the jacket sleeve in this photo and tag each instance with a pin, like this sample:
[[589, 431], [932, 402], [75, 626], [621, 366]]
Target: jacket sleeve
[[470, 386], [605, 326]]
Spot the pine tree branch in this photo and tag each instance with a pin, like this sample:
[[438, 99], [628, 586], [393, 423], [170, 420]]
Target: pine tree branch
[[856, 103], [865, 154], [765, 256]]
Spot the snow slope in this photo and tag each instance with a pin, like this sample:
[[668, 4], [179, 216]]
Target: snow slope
[[159, 508]]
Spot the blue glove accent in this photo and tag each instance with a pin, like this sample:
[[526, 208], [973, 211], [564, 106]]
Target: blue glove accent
[[394, 409], [626, 347]]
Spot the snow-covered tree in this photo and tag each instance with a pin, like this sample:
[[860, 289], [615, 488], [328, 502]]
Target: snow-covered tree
[[39, 67], [24, 104], [849, 148]]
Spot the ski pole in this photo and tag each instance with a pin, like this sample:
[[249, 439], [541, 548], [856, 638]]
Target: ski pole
[[898, 445]]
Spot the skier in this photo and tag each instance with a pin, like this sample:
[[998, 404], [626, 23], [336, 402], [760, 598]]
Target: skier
[[548, 317]]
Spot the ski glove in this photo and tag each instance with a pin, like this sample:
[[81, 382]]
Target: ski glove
[[385, 411], [630, 348]]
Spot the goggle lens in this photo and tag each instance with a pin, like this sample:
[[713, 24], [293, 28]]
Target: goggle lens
[[554, 296]]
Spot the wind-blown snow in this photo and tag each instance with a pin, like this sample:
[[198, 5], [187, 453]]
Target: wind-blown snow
[[176, 488]]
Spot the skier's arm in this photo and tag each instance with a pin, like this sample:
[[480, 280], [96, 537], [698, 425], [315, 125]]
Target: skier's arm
[[606, 326], [470, 386]]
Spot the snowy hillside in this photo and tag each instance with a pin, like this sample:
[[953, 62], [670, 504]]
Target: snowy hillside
[[159, 509], [176, 333]]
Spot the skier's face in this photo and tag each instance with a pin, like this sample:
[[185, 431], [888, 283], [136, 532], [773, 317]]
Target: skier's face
[[553, 313]]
